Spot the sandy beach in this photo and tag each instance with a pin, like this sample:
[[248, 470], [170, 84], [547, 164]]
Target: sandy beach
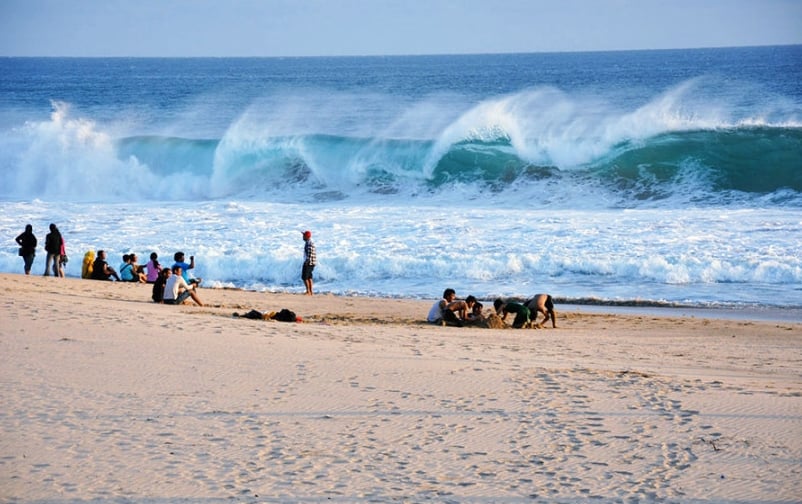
[[108, 397]]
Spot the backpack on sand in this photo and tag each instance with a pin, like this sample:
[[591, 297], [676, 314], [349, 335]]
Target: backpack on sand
[[285, 315]]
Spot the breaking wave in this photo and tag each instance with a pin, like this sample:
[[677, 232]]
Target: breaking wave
[[525, 145]]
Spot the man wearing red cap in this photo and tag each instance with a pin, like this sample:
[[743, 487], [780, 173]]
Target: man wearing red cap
[[310, 259]]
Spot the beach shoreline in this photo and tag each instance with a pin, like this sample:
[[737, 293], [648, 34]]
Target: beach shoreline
[[762, 314], [111, 397]]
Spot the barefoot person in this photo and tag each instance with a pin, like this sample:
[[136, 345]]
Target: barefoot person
[[475, 317], [177, 290], [544, 304], [444, 311], [521, 312], [310, 259]]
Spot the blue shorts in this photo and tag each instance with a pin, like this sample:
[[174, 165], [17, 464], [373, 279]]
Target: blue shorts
[[180, 299]]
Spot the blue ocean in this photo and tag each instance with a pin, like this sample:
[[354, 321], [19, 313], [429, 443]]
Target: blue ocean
[[644, 178]]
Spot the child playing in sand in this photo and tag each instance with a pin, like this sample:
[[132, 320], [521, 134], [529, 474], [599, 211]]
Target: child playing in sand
[[521, 313], [475, 316], [544, 304]]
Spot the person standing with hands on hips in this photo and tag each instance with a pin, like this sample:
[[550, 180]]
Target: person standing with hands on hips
[[310, 259], [27, 247]]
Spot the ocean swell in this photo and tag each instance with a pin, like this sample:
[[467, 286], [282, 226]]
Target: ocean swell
[[668, 151]]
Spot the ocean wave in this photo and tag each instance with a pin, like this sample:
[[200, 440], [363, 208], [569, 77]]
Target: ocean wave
[[703, 165], [526, 146]]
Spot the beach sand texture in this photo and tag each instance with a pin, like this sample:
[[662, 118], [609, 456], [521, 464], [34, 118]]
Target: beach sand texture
[[109, 397]]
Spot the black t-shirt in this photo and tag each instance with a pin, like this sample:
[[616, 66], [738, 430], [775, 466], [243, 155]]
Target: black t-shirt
[[158, 289], [98, 270], [53, 243], [27, 242]]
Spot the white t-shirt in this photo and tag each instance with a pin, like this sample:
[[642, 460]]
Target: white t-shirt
[[173, 286], [435, 313]]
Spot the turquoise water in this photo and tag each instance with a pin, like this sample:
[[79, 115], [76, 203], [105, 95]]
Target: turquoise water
[[658, 177]]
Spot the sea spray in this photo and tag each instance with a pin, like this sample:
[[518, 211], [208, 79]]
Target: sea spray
[[652, 178]]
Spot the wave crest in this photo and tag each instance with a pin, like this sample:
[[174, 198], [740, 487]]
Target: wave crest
[[676, 146]]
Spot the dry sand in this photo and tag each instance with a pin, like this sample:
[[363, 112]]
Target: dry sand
[[110, 398]]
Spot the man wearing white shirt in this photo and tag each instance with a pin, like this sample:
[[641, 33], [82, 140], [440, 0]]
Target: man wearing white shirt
[[176, 290]]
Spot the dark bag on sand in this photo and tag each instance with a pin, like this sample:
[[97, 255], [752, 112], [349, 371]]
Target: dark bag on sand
[[285, 315], [254, 315]]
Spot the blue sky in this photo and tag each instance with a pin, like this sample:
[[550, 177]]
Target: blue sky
[[384, 27]]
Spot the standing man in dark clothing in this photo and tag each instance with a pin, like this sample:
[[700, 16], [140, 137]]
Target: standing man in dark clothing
[[53, 249], [310, 259], [27, 247]]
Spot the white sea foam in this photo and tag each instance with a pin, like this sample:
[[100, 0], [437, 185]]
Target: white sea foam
[[676, 185], [647, 255]]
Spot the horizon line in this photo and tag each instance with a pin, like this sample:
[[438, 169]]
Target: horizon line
[[401, 55]]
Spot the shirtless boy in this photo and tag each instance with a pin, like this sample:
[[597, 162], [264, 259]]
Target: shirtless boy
[[544, 304]]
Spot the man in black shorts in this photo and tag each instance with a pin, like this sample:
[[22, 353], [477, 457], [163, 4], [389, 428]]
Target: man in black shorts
[[310, 259], [544, 304]]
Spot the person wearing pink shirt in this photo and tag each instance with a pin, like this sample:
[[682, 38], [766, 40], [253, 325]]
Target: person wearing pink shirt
[[153, 268]]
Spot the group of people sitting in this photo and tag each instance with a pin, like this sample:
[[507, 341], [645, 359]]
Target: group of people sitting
[[171, 285], [469, 312]]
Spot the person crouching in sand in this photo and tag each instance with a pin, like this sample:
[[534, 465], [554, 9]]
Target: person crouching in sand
[[521, 313], [544, 304]]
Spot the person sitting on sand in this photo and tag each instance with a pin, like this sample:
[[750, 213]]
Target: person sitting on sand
[[101, 269], [139, 270], [185, 267], [154, 269], [130, 270], [462, 308], [444, 311], [159, 284], [521, 312], [544, 304], [125, 269], [475, 317], [176, 289]]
